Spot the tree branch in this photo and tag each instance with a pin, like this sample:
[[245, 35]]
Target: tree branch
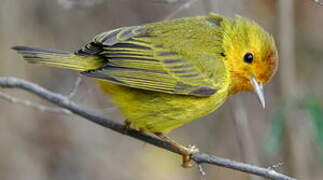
[[33, 105], [182, 7], [199, 158], [318, 2]]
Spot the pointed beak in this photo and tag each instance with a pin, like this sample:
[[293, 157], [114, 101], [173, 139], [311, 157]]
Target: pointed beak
[[259, 91]]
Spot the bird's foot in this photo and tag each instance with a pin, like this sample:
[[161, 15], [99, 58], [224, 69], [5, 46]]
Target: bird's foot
[[186, 152], [126, 127]]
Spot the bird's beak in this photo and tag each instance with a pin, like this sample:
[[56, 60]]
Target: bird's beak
[[259, 91]]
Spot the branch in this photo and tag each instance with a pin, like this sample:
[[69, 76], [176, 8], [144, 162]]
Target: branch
[[166, 1], [70, 4], [318, 2], [33, 105], [199, 158], [182, 7], [75, 88]]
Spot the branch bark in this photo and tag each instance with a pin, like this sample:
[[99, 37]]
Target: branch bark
[[199, 158]]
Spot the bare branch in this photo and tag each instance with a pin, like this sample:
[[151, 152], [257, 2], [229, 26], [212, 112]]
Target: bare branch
[[276, 166], [33, 105], [182, 7], [166, 1], [75, 87], [318, 2], [199, 158], [69, 4], [201, 170], [243, 133]]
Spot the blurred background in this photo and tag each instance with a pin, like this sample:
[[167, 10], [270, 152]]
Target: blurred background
[[287, 135]]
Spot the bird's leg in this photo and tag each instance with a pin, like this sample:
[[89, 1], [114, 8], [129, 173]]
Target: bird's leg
[[126, 127], [142, 130], [185, 151]]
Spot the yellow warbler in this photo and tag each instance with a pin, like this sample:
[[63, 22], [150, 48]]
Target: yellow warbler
[[163, 75]]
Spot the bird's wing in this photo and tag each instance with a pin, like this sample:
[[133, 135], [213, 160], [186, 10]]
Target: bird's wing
[[135, 61]]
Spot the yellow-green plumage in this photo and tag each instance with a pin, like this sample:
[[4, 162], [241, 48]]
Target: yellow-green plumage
[[160, 112], [166, 74]]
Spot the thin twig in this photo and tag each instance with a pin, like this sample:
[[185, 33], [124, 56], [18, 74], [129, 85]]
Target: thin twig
[[166, 1], [243, 133], [318, 2], [182, 7], [75, 87], [201, 170], [199, 158], [276, 166], [69, 4], [33, 105], [296, 140]]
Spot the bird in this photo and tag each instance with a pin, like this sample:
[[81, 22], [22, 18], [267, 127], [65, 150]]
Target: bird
[[165, 74]]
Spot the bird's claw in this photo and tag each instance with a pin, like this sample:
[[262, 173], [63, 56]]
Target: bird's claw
[[126, 127], [187, 155], [192, 149]]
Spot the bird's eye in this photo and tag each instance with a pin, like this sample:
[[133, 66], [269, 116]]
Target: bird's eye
[[248, 58]]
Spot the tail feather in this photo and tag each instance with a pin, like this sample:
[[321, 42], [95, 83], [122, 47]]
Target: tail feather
[[58, 58], [28, 49]]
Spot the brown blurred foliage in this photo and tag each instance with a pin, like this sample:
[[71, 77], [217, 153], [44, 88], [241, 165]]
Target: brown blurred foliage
[[36, 145]]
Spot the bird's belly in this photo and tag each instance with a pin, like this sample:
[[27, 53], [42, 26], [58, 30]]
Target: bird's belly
[[159, 112]]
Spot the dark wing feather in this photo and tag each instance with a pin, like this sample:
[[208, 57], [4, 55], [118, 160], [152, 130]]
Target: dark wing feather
[[135, 62]]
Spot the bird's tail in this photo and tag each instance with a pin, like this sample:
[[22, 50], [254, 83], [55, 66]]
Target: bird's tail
[[59, 58]]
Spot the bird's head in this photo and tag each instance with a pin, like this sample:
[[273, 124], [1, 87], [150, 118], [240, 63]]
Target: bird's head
[[250, 55]]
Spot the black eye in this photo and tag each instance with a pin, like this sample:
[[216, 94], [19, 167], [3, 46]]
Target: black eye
[[248, 58]]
